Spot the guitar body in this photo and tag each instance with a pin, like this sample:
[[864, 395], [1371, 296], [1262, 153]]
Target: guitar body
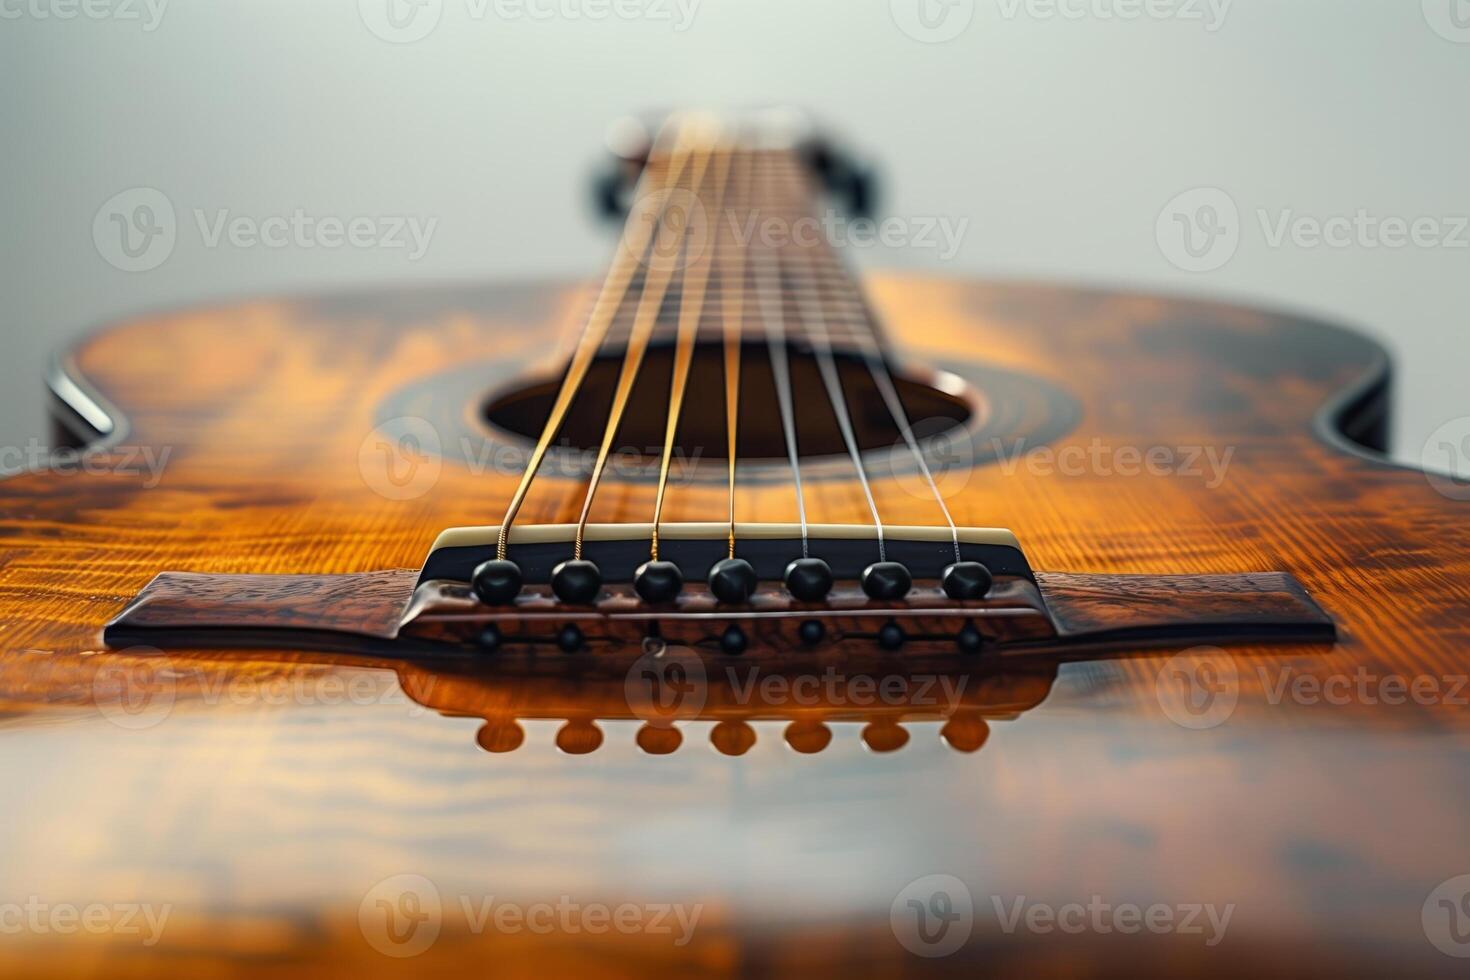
[[1322, 809]]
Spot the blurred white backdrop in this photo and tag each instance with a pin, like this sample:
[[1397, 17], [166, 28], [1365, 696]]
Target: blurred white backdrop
[[1061, 132]]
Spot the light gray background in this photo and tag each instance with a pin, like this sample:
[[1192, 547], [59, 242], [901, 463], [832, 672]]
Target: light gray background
[[1059, 134]]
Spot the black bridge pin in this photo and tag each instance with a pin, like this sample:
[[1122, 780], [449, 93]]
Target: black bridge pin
[[891, 636], [496, 582], [576, 581], [569, 638], [658, 581], [808, 579], [490, 638], [969, 639], [966, 580], [887, 580], [733, 640], [732, 580], [811, 631]]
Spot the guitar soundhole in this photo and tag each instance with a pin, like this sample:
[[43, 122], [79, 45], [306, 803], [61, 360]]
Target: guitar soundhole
[[934, 412]]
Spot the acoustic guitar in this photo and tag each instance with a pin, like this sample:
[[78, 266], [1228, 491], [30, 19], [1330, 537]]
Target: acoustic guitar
[[732, 615]]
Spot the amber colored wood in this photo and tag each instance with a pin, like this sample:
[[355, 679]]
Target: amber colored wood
[[265, 825]]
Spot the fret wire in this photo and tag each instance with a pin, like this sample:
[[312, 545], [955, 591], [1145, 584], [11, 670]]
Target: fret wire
[[609, 299], [649, 304]]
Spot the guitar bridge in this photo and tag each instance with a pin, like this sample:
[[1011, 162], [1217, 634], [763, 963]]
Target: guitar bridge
[[436, 610]]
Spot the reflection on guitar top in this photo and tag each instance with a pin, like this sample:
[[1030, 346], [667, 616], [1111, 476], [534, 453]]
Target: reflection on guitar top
[[669, 686]]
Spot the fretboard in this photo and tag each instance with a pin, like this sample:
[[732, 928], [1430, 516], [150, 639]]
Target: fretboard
[[722, 226]]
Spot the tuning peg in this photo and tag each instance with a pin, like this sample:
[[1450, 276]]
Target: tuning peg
[[848, 180], [629, 141]]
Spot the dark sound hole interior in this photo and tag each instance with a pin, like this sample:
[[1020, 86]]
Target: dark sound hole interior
[[702, 425]]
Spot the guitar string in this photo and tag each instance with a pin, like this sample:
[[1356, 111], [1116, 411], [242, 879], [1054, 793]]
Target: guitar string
[[655, 287], [773, 319], [693, 280], [883, 378], [732, 308], [811, 314], [637, 238], [877, 365]]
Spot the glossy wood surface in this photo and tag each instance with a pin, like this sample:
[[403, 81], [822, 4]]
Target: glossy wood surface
[[265, 820]]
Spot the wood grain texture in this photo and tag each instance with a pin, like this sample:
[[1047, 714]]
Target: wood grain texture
[[266, 828]]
